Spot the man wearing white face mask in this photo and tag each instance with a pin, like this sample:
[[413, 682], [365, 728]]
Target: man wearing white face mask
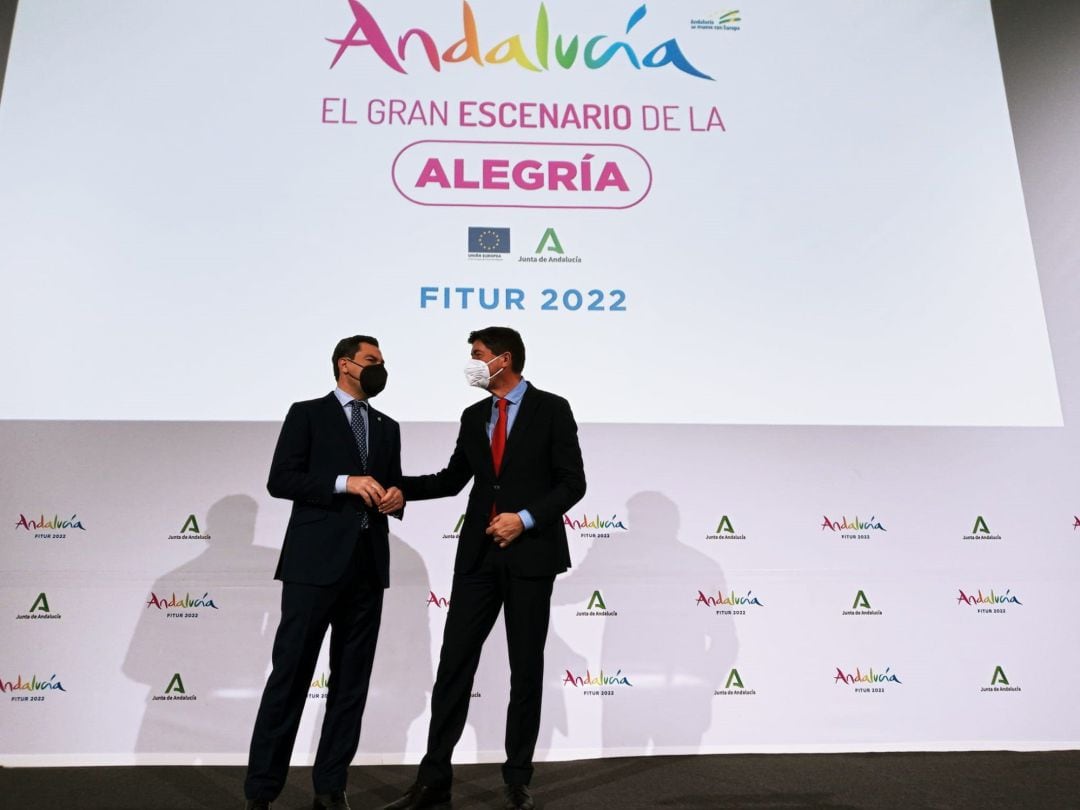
[[520, 448]]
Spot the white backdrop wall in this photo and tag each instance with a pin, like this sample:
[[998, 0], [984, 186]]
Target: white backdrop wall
[[79, 609]]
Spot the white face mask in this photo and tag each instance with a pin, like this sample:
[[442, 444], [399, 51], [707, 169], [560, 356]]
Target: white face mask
[[478, 373]]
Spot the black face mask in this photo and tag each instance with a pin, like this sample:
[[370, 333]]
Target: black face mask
[[372, 378]]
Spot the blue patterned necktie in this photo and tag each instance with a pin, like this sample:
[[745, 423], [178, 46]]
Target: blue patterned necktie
[[359, 429]]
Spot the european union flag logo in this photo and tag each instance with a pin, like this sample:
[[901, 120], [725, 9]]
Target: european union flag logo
[[489, 240]]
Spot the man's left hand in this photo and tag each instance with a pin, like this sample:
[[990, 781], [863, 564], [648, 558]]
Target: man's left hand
[[392, 501], [505, 528]]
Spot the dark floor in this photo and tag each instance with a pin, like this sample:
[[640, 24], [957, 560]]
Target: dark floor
[[778, 782]]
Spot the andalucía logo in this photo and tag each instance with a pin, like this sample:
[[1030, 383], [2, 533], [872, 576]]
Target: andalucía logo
[[364, 30], [40, 609], [54, 528], [175, 690], [725, 531], [854, 529], [728, 604], [869, 681], [600, 684], [186, 607], [597, 607], [550, 244], [734, 686], [319, 687], [437, 601], [981, 531], [999, 683], [190, 531], [456, 533], [35, 689], [861, 607], [594, 527], [990, 602]]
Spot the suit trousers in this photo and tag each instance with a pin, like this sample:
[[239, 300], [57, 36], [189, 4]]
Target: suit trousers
[[475, 601], [351, 608]]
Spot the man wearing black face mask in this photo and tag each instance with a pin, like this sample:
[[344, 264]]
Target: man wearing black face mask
[[339, 461]]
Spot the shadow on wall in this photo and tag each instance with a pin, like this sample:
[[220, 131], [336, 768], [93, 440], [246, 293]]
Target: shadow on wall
[[202, 644], [674, 655]]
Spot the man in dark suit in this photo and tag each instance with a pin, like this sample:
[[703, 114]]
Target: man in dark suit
[[339, 461], [520, 448]]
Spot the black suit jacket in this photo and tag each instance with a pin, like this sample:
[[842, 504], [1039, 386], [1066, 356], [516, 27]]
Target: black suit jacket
[[542, 472], [315, 446]]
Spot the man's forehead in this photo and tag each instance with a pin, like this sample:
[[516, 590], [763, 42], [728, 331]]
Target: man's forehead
[[367, 349]]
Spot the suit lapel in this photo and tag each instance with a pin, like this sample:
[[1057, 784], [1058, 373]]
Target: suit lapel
[[376, 436]]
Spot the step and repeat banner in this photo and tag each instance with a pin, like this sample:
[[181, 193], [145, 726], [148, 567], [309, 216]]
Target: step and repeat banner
[[776, 257]]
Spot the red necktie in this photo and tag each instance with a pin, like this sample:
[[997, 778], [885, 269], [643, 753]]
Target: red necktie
[[498, 436]]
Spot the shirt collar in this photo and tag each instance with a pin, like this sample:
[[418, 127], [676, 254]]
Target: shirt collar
[[343, 397], [516, 393]]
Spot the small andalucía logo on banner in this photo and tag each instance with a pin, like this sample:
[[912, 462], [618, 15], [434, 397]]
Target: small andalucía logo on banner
[[319, 687], [32, 689], [40, 609], [854, 529], [720, 21], [990, 602], [190, 531], [868, 682], [734, 686], [861, 606], [601, 684], [185, 607], [49, 528], [175, 690], [597, 607], [456, 533], [434, 601], [981, 531], [549, 250], [999, 682], [725, 530], [595, 527], [729, 604]]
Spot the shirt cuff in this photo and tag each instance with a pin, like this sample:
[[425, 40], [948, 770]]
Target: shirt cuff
[[526, 519], [340, 484]]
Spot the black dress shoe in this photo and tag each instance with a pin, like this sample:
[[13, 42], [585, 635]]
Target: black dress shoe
[[518, 798], [257, 804], [421, 796], [330, 801]]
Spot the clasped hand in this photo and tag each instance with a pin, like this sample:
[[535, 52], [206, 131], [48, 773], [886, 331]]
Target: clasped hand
[[388, 500]]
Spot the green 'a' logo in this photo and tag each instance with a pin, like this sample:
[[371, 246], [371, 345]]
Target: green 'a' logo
[[550, 237], [725, 526], [459, 524], [190, 525], [596, 601], [734, 679], [980, 526], [176, 685], [861, 602], [41, 604], [999, 677]]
